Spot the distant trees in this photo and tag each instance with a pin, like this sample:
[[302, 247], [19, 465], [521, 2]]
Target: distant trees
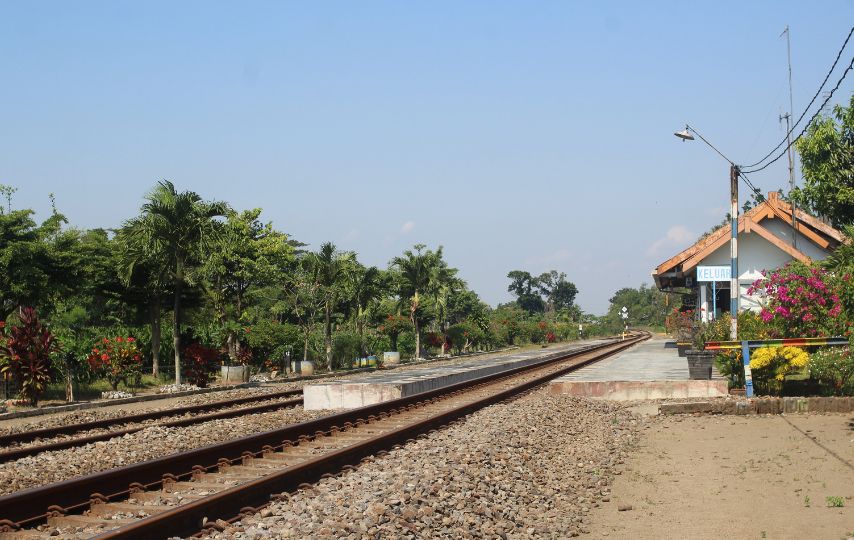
[[548, 292], [647, 306], [187, 276]]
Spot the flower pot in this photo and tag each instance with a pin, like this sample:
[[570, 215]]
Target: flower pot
[[682, 349], [700, 364], [391, 358], [235, 374], [303, 367]]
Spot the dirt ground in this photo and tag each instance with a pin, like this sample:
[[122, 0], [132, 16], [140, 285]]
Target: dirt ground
[[736, 477]]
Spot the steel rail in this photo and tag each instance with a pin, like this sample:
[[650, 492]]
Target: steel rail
[[18, 453], [44, 433], [28, 508]]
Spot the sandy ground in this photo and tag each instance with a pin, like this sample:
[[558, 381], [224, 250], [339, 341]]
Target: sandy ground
[[736, 477]]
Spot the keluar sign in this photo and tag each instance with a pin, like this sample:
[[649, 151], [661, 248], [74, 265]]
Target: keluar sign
[[714, 273]]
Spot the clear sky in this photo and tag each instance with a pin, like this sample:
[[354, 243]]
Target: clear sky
[[518, 135]]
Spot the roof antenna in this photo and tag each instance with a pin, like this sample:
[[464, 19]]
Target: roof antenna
[[790, 152]]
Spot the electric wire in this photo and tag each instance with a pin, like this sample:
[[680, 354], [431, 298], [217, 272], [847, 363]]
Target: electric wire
[[826, 77], [808, 124]]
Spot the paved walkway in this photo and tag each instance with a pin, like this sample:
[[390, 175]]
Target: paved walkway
[[651, 360], [649, 370]]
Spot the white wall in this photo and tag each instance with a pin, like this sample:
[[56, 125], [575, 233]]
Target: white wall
[[756, 254]]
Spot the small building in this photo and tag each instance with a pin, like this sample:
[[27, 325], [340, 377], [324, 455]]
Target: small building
[[769, 237]]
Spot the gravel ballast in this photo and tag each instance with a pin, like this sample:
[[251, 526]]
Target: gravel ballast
[[150, 443], [532, 468]]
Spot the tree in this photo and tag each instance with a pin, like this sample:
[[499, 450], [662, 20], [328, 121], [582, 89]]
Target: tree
[[333, 268], [34, 263], [181, 228], [559, 293], [247, 254], [415, 278], [827, 161], [444, 285], [526, 287], [305, 296], [368, 285], [145, 273], [647, 306]]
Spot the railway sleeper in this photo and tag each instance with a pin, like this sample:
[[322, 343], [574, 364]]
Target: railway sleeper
[[139, 510], [76, 520]]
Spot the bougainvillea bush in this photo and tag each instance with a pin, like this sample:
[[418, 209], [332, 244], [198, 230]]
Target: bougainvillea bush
[[802, 301], [833, 368], [200, 364], [25, 353], [116, 359]]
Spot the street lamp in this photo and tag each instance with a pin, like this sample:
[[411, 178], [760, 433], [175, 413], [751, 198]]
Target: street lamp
[[685, 135]]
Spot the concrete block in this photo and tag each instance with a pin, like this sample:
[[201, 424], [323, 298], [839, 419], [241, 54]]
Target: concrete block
[[385, 386], [790, 405]]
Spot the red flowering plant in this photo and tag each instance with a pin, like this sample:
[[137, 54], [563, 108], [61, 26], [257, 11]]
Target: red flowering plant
[[25, 351], [393, 326], [200, 363], [801, 301], [116, 359], [680, 323]]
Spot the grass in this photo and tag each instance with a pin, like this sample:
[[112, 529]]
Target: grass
[[92, 390], [835, 502]]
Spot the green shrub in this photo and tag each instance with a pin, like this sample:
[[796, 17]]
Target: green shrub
[[833, 368]]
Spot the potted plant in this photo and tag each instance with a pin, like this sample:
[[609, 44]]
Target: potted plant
[[680, 324], [699, 360]]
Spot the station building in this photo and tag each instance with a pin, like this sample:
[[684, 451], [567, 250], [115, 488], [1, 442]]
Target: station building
[[765, 242]]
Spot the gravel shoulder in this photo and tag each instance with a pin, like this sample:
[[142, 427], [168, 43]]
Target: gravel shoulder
[[149, 443], [738, 477], [531, 468]]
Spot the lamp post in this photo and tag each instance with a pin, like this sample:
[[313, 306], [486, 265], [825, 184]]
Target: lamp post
[[734, 291]]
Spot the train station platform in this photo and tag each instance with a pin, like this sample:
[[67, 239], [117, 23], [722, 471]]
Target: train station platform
[[379, 387], [649, 370]]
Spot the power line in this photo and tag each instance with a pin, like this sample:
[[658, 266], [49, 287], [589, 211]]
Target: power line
[[838, 56], [804, 130]]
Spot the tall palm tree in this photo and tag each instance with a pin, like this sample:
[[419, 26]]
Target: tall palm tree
[[367, 286], [333, 268], [180, 227], [146, 276], [417, 276], [444, 284]]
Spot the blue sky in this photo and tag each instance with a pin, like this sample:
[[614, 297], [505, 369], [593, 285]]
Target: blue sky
[[518, 135]]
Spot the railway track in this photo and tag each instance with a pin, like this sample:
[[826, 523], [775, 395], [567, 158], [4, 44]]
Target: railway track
[[15, 444], [185, 493]]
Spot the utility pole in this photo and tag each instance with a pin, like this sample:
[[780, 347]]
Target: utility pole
[[734, 291], [790, 153]]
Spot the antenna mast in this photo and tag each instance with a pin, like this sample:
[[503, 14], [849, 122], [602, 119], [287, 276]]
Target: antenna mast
[[790, 153]]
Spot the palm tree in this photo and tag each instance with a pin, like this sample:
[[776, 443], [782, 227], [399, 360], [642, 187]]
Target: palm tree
[[444, 284], [179, 227], [304, 294], [333, 268], [367, 286], [417, 275], [145, 274]]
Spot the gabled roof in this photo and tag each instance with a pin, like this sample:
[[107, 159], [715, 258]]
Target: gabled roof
[[817, 232]]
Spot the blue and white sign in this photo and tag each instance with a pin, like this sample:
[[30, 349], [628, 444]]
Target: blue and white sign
[[713, 273]]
